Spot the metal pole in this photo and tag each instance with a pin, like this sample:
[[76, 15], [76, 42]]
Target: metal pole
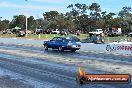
[[26, 26], [0, 22], [26, 22]]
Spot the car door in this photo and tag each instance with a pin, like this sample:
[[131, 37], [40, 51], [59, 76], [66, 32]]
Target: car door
[[52, 42], [59, 42]]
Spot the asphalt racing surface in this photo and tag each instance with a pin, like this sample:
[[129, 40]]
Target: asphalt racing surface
[[33, 67]]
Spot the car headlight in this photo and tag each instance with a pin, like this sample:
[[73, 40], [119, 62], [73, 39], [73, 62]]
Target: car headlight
[[73, 45]]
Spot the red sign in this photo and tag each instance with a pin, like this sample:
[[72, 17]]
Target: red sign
[[114, 28]]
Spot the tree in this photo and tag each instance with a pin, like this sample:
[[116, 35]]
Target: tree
[[19, 21], [94, 14], [31, 23], [50, 18], [125, 13], [39, 23], [4, 24], [78, 15], [95, 9], [50, 15]]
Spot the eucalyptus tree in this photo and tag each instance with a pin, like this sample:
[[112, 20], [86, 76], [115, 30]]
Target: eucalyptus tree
[[95, 10], [31, 23], [50, 18], [19, 21], [126, 14], [79, 15], [110, 20], [4, 24]]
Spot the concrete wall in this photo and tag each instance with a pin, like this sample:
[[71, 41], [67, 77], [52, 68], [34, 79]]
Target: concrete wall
[[125, 49]]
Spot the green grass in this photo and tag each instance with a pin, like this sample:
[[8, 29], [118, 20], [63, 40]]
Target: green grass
[[7, 35], [30, 36], [111, 39], [42, 36], [50, 36]]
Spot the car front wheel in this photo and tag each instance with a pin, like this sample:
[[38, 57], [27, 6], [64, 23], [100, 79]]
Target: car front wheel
[[46, 47], [60, 48]]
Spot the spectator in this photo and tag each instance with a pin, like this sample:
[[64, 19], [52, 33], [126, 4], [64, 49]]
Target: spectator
[[102, 37], [77, 32], [94, 38]]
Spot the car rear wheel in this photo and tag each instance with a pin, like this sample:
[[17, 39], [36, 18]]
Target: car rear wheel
[[60, 48], [46, 47]]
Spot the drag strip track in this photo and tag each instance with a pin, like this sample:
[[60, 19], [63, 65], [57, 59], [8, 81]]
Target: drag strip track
[[41, 69], [37, 73], [82, 55], [50, 73], [45, 67]]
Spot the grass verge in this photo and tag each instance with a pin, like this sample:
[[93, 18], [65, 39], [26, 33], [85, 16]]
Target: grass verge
[[50, 36]]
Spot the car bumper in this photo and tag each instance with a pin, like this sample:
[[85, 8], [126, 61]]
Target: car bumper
[[75, 47]]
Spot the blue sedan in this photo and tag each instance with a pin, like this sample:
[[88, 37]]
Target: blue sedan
[[62, 43]]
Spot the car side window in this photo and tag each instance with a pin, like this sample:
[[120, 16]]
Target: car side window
[[66, 40], [59, 39], [54, 39]]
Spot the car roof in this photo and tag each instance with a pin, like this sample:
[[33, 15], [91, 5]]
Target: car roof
[[64, 37]]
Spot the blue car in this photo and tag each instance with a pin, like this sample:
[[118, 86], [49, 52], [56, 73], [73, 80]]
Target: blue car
[[62, 43]]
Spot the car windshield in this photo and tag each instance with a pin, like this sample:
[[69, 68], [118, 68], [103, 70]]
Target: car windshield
[[55, 38], [67, 39], [75, 39], [115, 30], [71, 39]]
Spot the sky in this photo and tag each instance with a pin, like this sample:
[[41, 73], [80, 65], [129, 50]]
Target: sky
[[9, 8]]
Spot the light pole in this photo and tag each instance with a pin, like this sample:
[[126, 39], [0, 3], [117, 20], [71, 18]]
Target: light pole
[[26, 22], [26, 26]]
